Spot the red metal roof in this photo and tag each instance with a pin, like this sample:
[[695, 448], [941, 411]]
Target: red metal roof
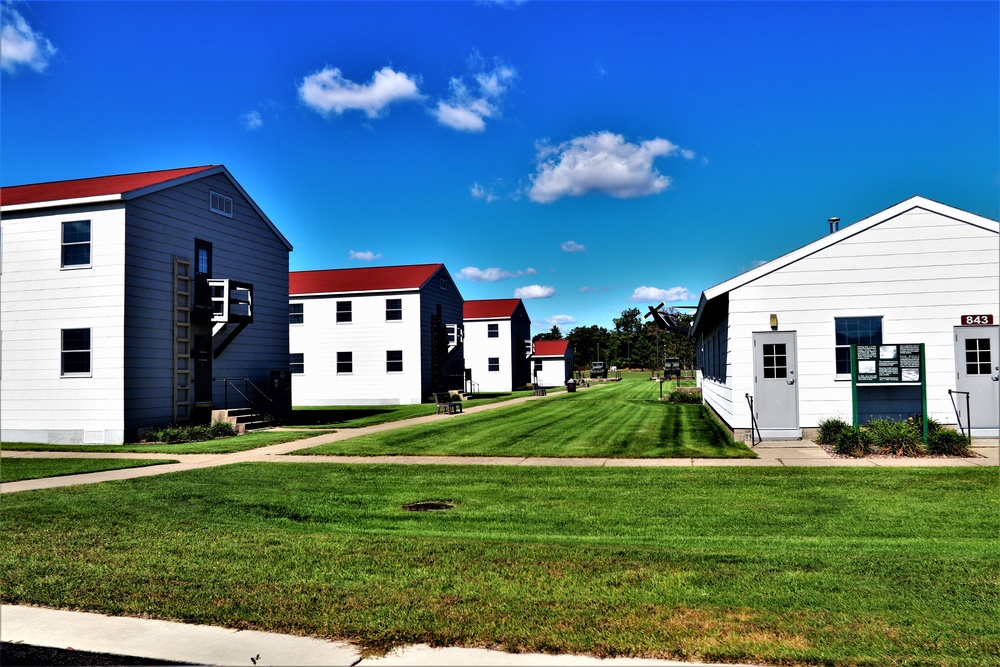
[[361, 280], [91, 187], [551, 348], [490, 308]]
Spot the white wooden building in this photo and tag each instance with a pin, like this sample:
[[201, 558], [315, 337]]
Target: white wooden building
[[497, 345], [123, 297], [375, 335], [551, 363], [781, 334]]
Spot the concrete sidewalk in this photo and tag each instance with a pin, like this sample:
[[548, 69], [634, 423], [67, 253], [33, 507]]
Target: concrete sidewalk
[[208, 645], [786, 453]]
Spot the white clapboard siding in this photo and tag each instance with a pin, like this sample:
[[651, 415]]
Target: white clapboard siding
[[38, 299]]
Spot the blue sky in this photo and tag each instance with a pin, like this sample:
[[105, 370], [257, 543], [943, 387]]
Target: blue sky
[[586, 156]]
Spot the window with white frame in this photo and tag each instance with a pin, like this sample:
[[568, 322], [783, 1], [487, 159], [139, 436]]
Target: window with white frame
[[854, 331], [345, 362], [76, 243], [296, 313], [492, 330], [343, 311], [296, 362], [538, 365], [75, 352], [394, 361], [493, 364], [393, 309]]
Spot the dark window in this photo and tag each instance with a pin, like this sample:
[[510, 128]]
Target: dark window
[[393, 309], [76, 243], [343, 311], [977, 356], [493, 365], [75, 351], [775, 361], [297, 362], [492, 330], [345, 362], [394, 361], [854, 331], [538, 365], [296, 314]]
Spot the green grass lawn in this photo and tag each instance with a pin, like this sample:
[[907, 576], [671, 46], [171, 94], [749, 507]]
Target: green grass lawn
[[15, 470], [828, 566], [619, 420], [252, 440], [355, 416]]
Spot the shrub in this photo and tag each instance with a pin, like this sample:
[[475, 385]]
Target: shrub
[[944, 441], [831, 430], [221, 429], [175, 434], [683, 397], [896, 438]]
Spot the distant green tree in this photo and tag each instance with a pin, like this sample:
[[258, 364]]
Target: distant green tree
[[552, 334], [589, 344]]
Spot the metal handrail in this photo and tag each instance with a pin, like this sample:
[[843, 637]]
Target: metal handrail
[[245, 394], [958, 417], [753, 424]]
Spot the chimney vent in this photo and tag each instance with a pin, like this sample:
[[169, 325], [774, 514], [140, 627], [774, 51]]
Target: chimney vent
[[834, 224]]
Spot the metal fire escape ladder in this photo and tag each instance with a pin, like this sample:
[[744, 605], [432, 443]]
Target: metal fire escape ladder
[[182, 339]]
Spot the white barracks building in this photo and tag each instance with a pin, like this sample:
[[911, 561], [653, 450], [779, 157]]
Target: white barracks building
[[779, 336]]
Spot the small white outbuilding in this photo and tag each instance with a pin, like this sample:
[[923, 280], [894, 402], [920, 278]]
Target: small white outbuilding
[[779, 336]]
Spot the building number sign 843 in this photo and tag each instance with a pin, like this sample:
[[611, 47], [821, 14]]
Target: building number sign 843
[[969, 320]]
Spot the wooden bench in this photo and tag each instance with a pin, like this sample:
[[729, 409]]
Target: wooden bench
[[537, 390], [444, 401]]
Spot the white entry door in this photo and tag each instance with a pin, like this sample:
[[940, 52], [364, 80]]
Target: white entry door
[[977, 371], [775, 385]]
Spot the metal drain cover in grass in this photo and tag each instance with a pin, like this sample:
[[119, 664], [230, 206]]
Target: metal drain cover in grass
[[428, 506]]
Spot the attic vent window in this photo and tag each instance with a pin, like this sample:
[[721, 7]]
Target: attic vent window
[[221, 204]]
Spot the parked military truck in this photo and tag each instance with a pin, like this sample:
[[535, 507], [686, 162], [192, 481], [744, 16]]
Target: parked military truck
[[598, 369]]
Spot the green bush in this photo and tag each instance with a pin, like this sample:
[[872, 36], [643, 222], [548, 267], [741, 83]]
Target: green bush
[[844, 438], [683, 397], [831, 430], [175, 434], [896, 438], [221, 429], [945, 441]]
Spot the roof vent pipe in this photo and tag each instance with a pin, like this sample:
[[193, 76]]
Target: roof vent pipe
[[834, 224]]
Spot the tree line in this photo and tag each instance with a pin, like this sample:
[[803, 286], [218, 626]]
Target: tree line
[[635, 342]]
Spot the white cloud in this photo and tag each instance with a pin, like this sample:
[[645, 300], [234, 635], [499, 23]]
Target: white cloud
[[572, 246], [534, 292], [365, 255], [560, 320], [491, 275], [471, 104], [252, 120], [644, 294], [328, 91], [586, 289], [479, 192], [20, 45], [602, 162]]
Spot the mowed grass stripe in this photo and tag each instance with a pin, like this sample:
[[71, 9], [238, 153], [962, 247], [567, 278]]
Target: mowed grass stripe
[[620, 420], [790, 566], [16, 470]]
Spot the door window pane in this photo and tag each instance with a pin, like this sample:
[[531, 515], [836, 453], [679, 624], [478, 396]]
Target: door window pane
[[775, 361], [977, 356]]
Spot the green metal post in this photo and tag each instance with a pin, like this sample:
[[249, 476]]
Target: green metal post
[[923, 390], [854, 384]]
